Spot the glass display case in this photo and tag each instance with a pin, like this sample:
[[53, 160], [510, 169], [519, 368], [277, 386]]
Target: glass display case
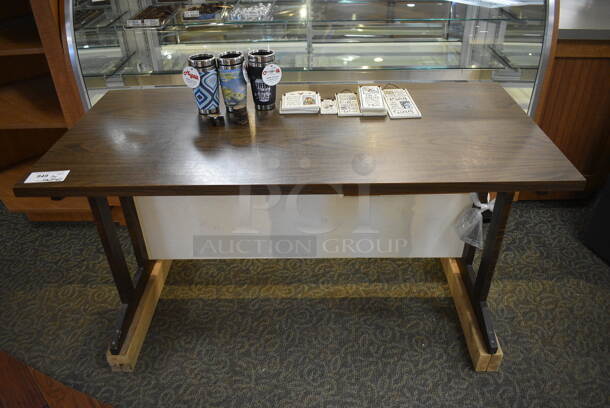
[[135, 43]]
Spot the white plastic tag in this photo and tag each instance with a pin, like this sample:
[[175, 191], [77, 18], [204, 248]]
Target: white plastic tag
[[191, 77], [272, 74], [134, 23], [191, 13], [47, 176], [152, 22]]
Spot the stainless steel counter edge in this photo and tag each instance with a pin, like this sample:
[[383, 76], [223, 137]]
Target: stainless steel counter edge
[[584, 20]]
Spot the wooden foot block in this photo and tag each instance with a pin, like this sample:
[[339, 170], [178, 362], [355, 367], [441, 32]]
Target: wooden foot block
[[126, 360], [481, 359]]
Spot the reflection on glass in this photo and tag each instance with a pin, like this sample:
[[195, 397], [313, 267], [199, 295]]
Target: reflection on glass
[[503, 37]]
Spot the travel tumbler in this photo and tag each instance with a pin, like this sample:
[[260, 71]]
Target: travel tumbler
[[206, 92], [234, 88], [262, 73]]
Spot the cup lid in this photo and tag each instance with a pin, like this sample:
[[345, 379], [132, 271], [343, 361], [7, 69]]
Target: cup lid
[[261, 56], [231, 58], [201, 60]]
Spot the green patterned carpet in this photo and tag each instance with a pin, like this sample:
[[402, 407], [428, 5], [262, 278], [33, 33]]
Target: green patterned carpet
[[316, 333]]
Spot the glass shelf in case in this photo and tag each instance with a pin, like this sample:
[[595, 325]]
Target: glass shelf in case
[[346, 13], [104, 20], [228, 34], [173, 57], [104, 61], [357, 11], [244, 13], [417, 55], [329, 40], [520, 55]]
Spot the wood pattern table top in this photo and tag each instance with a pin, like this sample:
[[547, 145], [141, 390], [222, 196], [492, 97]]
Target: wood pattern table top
[[472, 137]]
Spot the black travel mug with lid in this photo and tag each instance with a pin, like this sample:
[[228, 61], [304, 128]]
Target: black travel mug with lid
[[261, 77]]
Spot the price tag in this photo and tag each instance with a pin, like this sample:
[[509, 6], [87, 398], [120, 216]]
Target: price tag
[[191, 77], [134, 23], [191, 13], [272, 74], [47, 176], [152, 22]]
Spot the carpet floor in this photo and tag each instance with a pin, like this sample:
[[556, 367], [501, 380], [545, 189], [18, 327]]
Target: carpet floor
[[316, 333]]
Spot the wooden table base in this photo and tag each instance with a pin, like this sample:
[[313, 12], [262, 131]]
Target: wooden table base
[[128, 357], [126, 360], [481, 359]]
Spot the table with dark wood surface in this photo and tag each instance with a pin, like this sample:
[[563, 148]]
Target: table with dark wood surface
[[472, 138]]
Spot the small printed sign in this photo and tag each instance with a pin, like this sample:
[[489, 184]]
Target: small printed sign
[[191, 13], [191, 77], [47, 176], [272, 74], [152, 22], [134, 23]]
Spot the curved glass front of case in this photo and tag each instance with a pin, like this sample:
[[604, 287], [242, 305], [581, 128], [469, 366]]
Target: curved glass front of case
[[133, 43]]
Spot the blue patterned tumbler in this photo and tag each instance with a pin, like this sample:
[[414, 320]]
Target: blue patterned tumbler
[[206, 94]]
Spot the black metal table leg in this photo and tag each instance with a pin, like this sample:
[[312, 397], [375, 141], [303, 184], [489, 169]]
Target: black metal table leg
[[129, 293], [478, 282], [137, 240]]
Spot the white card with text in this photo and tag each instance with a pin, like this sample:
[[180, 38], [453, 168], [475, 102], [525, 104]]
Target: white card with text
[[47, 176]]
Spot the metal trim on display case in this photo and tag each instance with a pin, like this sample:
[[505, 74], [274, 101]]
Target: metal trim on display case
[[333, 76], [73, 53], [552, 6]]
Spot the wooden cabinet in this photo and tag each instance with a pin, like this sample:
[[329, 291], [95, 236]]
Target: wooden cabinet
[[39, 100], [31, 118], [575, 110]]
